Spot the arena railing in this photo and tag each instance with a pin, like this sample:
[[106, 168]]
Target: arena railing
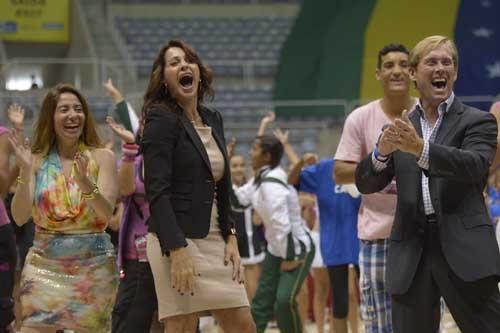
[[118, 71], [105, 70]]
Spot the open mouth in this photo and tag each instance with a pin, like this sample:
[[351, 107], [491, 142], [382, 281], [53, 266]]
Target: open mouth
[[439, 83], [72, 127], [186, 80]]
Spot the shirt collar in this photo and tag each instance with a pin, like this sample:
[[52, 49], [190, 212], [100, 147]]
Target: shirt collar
[[444, 106], [263, 169], [259, 173]]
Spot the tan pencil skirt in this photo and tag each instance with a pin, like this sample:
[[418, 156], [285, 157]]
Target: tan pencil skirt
[[214, 289]]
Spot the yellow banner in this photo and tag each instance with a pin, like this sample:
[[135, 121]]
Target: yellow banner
[[34, 20], [405, 22]]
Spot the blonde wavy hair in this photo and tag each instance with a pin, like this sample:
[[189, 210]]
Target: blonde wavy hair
[[430, 43]]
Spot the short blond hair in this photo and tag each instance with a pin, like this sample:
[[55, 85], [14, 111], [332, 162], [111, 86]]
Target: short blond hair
[[430, 43]]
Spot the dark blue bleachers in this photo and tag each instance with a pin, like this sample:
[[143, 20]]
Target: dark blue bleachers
[[226, 43]]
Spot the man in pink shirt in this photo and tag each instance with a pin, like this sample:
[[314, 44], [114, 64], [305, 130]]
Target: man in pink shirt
[[376, 214]]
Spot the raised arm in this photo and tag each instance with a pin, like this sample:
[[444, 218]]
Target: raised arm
[[112, 92], [282, 136], [22, 203], [126, 174], [269, 118], [15, 114], [120, 104], [294, 173], [230, 148]]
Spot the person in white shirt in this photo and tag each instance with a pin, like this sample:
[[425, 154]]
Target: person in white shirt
[[290, 251]]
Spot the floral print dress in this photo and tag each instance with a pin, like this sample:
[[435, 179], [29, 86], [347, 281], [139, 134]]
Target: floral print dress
[[70, 276]]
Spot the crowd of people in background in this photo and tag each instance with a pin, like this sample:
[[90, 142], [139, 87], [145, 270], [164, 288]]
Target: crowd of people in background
[[180, 228]]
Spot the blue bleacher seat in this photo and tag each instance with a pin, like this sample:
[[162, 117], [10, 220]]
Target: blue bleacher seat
[[215, 38]]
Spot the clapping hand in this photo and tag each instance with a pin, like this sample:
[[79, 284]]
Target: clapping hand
[[81, 170], [386, 145], [125, 135], [16, 116], [403, 136], [22, 151]]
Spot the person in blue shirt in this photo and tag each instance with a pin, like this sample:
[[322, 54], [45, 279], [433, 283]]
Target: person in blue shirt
[[493, 201], [338, 212]]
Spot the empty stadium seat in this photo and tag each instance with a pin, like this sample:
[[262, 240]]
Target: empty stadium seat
[[217, 39]]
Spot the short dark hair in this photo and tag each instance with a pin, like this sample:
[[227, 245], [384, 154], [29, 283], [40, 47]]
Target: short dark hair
[[270, 144], [390, 48]]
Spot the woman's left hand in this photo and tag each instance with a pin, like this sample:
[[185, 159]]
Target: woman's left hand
[[81, 166], [231, 254]]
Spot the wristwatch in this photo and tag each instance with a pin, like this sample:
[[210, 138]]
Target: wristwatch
[[379, 157]]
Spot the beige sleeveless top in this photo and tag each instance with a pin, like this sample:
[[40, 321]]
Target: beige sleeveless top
[[214, 154]]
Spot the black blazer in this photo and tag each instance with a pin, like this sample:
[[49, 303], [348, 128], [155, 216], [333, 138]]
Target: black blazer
[[459, 159], [179, 184]]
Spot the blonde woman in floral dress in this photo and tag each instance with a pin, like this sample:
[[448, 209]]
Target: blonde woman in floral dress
[[68, 183]]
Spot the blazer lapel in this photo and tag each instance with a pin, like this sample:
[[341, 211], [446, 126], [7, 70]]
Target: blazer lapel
[[195, 138], [208, 119], [449, 121], [415, 120]]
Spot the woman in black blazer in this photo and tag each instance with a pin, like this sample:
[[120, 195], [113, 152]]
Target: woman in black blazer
[[192, 238]]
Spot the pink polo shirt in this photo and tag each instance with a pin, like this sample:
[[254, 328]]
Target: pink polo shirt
[[359, 137]]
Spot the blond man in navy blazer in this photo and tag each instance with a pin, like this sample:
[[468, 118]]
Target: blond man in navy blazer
[[442, 242]]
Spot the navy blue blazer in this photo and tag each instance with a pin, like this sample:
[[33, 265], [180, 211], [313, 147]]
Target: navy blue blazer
[[459, 160]]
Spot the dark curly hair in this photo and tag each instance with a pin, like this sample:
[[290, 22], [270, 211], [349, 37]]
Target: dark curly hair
[[156, 92]]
